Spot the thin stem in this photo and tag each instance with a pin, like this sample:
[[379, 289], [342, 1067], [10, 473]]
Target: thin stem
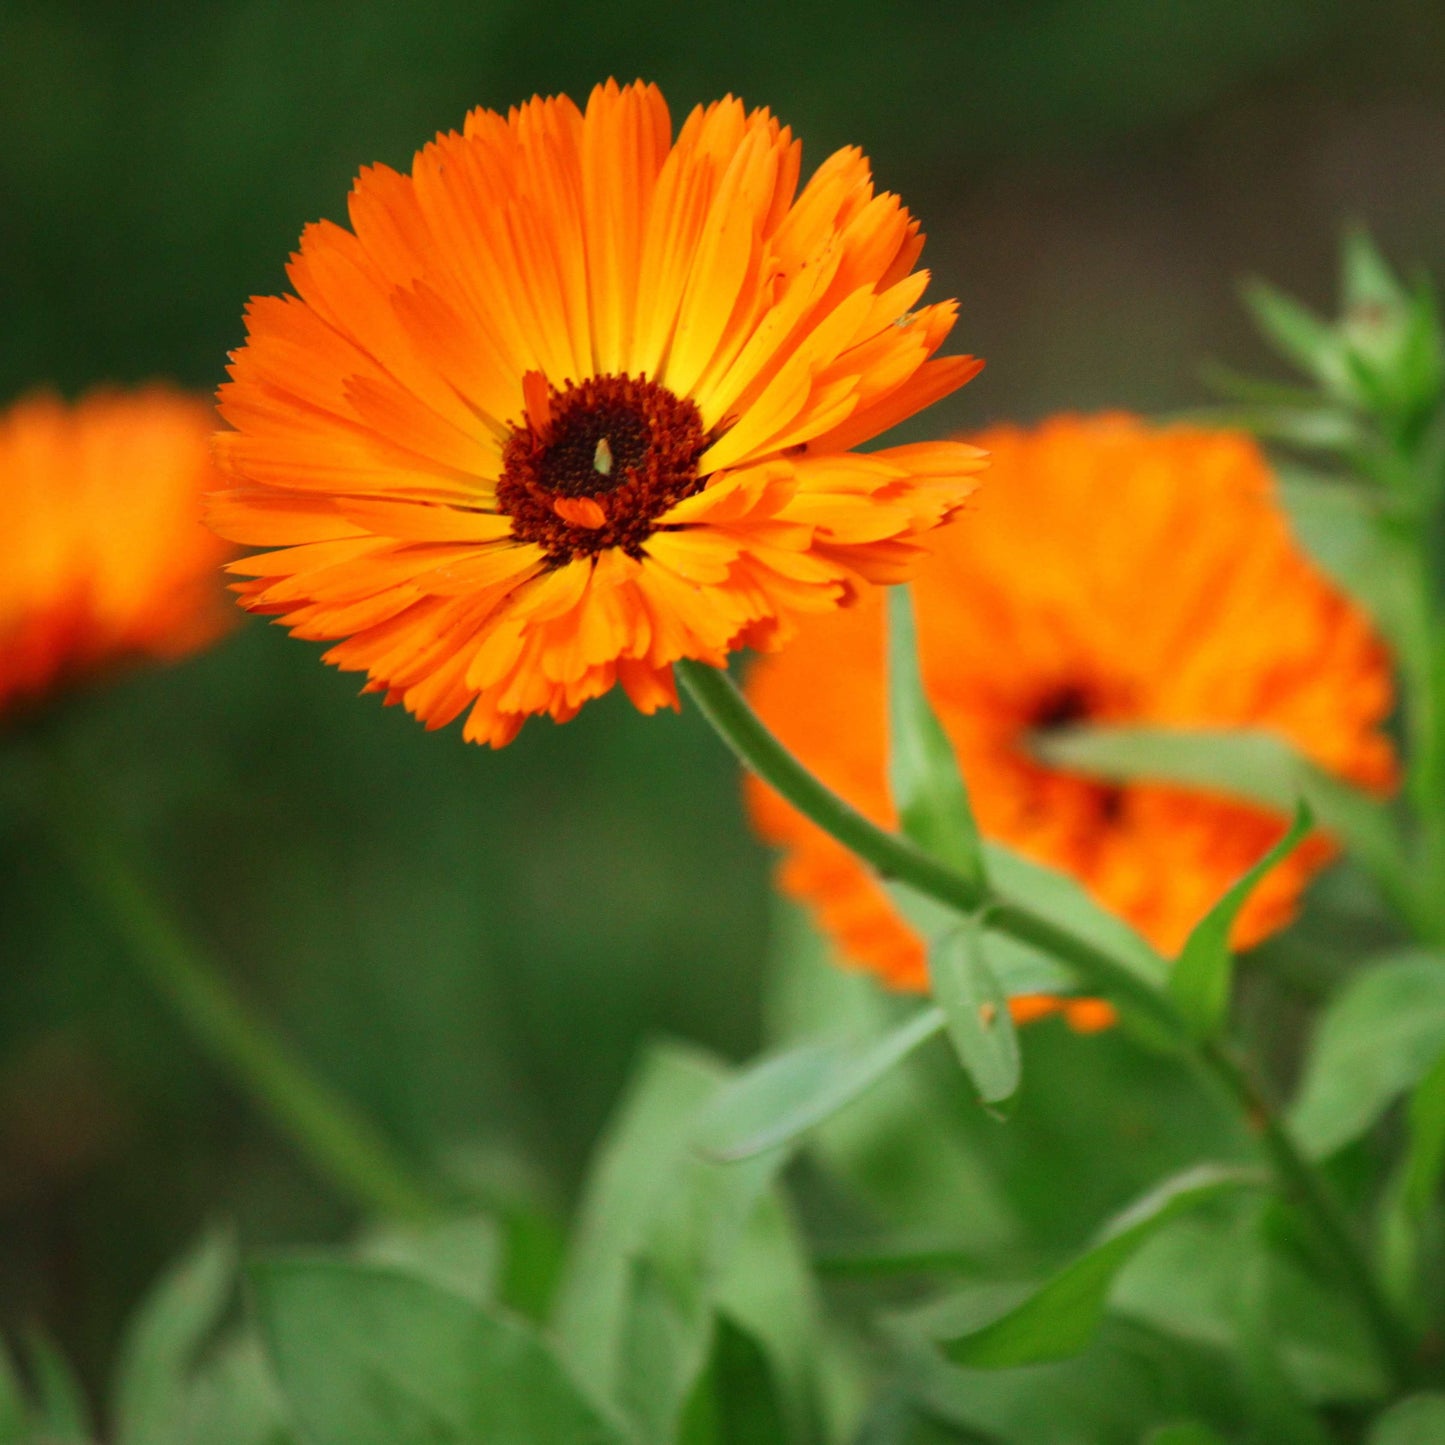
[[728, 711], [1320, 1206], [330, 1132], [896, 858]]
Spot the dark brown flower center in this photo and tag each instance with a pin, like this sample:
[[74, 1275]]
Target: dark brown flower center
[[1071, 705], [593, 464]]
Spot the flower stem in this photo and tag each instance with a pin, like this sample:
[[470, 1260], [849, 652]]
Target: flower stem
[[724, 706], [338, 1141]]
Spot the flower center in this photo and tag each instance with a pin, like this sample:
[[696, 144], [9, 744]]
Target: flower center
[[594, 464]]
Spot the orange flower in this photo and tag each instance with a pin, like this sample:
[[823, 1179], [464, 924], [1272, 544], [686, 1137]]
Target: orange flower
[[1111, 573], [574, 400], [102, 553]]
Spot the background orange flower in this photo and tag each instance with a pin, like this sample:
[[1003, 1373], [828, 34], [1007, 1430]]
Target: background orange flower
[[103, 557], [1109, 572], [573, 400]]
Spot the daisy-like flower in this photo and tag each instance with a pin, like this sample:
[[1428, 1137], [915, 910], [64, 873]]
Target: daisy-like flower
[[1112, 574], [574, 400], [103, 558]]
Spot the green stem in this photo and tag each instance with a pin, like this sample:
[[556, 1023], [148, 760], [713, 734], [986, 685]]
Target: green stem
[[896, 858], [724, 706], [1317, 1201], [337, 1140]]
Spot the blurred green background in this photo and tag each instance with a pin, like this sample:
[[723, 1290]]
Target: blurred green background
[[473, 945]]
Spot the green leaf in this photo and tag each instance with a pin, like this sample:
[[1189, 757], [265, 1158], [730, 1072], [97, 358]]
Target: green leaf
[[369, 1355], [1256, 766], [14, 1409], [976, 1012], [61, 1415], [462, 1255], [1417, 1420], [1200, 982], [1381, 1034], [1342, 527], [1425, 1154], [776, 1101], [1183, 1432], [928, 789], [164, 1339], [659, 1225], [1060, 1318], [1296, 331], [234, 1400]]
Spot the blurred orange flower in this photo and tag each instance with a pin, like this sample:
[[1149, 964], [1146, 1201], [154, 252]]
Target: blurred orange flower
[[103, 557], [573, 400], [1112, 573]]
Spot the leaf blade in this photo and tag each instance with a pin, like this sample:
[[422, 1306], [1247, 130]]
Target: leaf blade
[[975, 1011]]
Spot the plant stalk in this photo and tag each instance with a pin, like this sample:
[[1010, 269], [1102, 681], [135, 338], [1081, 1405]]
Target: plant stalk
[[335, 1138], [894, 857]]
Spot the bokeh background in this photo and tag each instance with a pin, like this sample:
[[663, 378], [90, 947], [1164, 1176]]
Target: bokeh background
[[475, 945]]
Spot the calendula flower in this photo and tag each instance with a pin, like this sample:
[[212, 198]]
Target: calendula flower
[[574, 400], [1110, 573], [103, 558]]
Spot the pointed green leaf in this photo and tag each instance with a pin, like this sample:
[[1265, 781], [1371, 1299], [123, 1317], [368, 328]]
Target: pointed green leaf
[[1250, 764], [1203, 972], [928, 789], [776, 1101], [975, 1011], [1296, 331], [164, 1339], [1060, 1318], [61, 1413], [14, 1409], [369, 1355], [1365, 277], [1418, 1420], [462, 1254], [1381, 1034]]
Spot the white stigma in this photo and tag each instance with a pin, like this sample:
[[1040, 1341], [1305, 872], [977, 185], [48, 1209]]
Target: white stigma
[[602, 458]]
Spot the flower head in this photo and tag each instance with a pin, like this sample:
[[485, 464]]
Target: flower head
[[573, 400], [1110, 573], [103, 557]]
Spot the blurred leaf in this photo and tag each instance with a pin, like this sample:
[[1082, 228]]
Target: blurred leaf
[[1125, 1383], [1417, 1420], [1257, 766], [767, 1293], [1184, 1432], [462, 1255], [234, 1400], [60, 1414], [14, 1410], [928, 790], [1425, 1154], [975, 1010], [1201, 979], [1341, 526], [658, 1227], [736, 1398], [775, 1101], [165, 1338], [1188, 1282], [1379, 1036], [1059, 898], [1059, 1318], [1296, 332], [367, 1355]]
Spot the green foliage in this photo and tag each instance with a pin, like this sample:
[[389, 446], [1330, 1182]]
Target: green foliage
[[370, 1355], [1379, 1036], [975, 1010], [1022, 1325], [778, 1099], [928, 790], [1419, 1420], [1202, 974]]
